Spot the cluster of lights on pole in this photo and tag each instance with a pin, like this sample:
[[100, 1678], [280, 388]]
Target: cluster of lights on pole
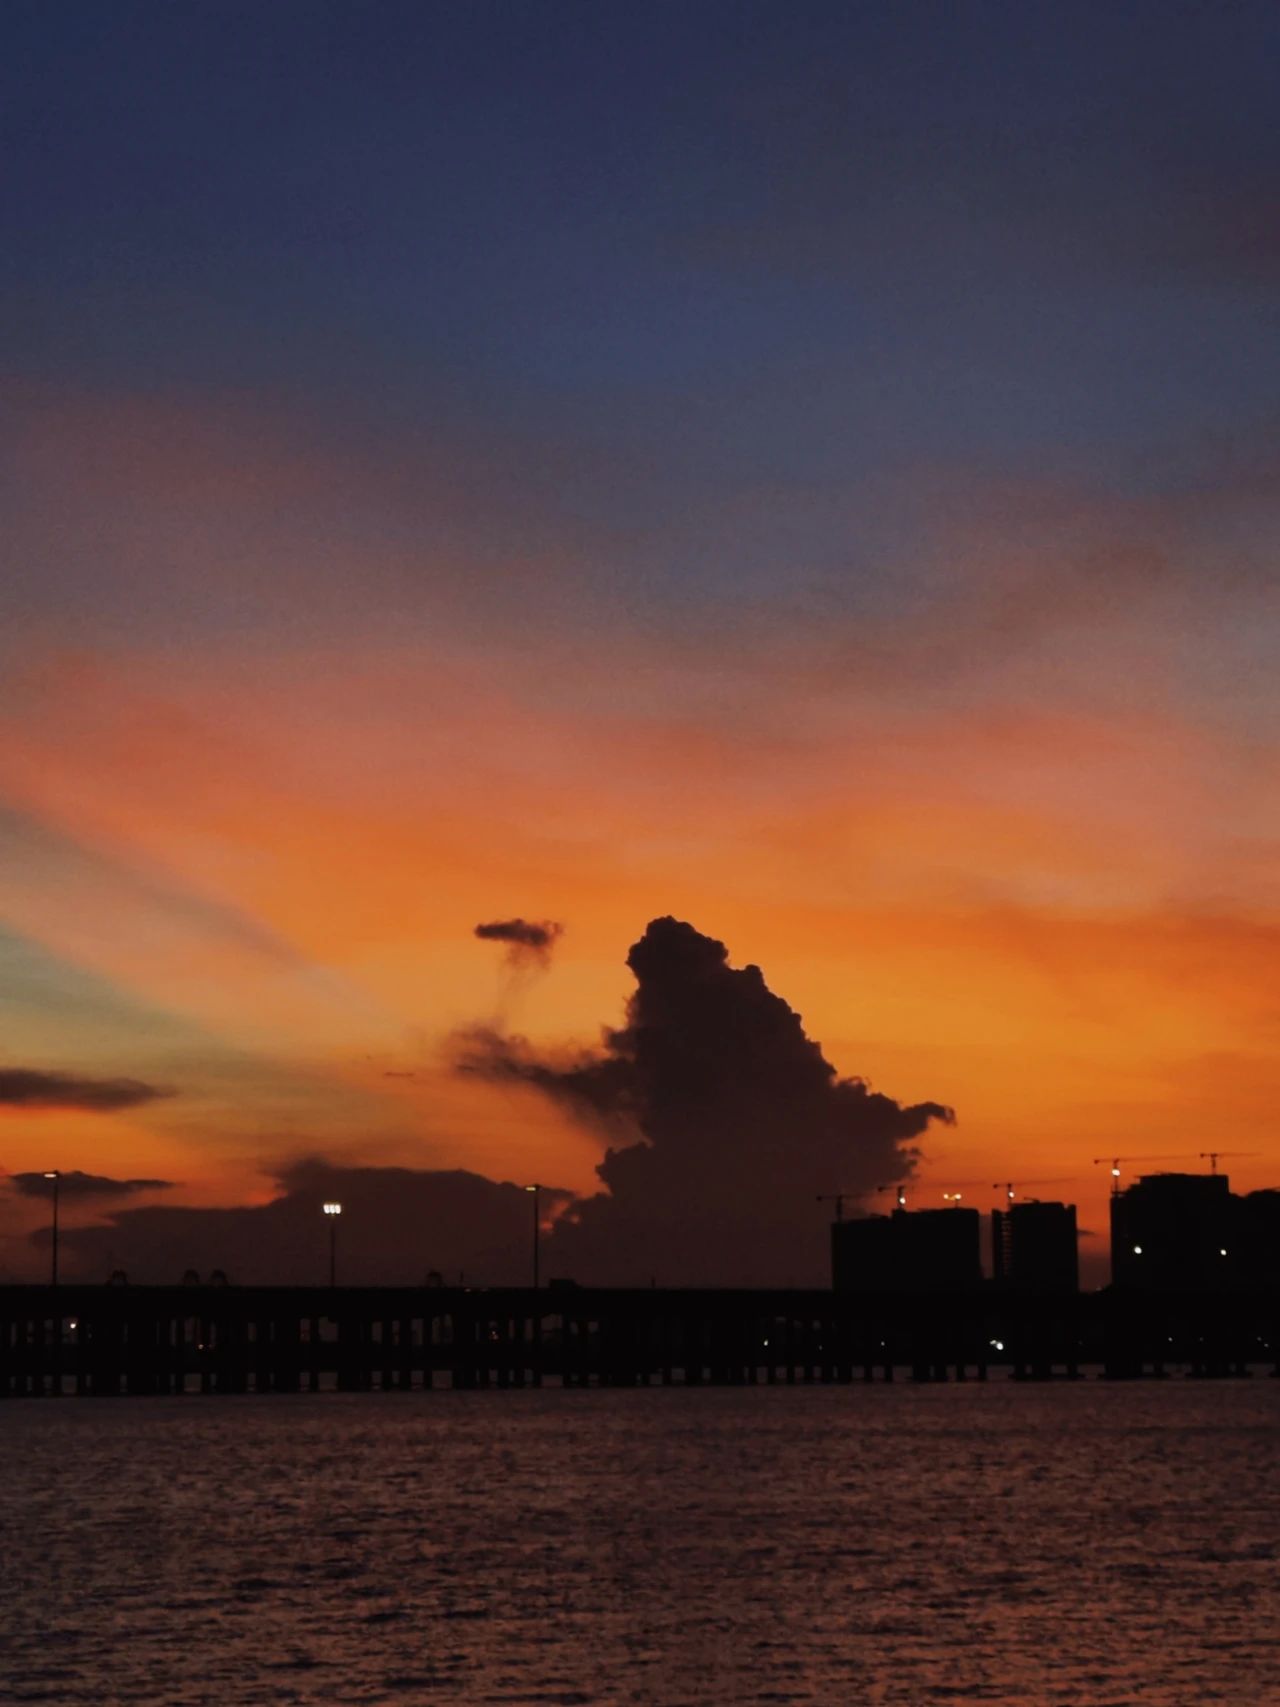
[[333, 1210]]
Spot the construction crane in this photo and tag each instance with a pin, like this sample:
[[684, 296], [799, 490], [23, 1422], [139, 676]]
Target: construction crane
[[954, 1192], [1211, 1156], [956, 1188], [1008, 1188], [1115, 1162]]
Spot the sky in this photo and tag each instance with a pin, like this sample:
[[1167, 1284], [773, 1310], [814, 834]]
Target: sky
[[807, 471]]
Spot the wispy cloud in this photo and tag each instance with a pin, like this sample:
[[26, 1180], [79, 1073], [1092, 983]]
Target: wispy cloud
[[37, 852]]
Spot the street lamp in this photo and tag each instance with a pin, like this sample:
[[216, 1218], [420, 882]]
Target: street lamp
[[55, 1175], [333, 1210], [537, 1222]]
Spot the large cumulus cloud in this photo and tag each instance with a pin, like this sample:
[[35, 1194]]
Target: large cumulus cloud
[[726, 1122]]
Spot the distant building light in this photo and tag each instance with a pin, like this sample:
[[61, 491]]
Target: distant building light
[[333, 1209], [1222, 1253], [1137, 1250]]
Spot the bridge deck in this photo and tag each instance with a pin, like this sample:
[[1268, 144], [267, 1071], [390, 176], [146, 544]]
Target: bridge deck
[[231, 1339]]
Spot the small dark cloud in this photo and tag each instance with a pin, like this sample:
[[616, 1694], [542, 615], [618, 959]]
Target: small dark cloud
[[27, 1087], [76, 1185], [726, 1121], [529, 941]]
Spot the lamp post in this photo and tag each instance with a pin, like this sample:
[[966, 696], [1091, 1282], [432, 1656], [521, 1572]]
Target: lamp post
[[55, 1174], [333, 1210], [537, 1224]]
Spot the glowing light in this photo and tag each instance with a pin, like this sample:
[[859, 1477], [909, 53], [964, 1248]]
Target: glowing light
[[333, 1209], [1222, 1253], [1137, 1250]]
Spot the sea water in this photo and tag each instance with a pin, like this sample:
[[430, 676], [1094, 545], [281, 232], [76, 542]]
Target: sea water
[[1083, 1543]]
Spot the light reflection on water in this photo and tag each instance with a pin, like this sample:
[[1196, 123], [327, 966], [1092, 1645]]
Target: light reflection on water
[[1088, 1544]]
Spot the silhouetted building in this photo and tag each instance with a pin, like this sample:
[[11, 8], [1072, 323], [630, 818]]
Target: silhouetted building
[[911, 1250], [1034, 1248], [1257, 1237], [1174, 1233]]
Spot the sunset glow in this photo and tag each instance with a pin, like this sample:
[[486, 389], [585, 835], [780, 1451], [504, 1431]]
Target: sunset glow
[[939, 685]]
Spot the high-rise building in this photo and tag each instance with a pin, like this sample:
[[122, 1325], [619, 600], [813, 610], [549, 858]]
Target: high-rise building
[[1257, 1237], [1034, 1248], [1175, 1233], [909, 1251]]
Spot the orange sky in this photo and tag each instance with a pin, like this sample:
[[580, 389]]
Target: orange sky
[[248, 864], [819, 482]]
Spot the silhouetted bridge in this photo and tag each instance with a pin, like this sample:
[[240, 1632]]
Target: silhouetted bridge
[[247, 1339]]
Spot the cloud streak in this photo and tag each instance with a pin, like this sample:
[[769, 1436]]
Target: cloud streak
[[29, 842], [28, 1087]]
